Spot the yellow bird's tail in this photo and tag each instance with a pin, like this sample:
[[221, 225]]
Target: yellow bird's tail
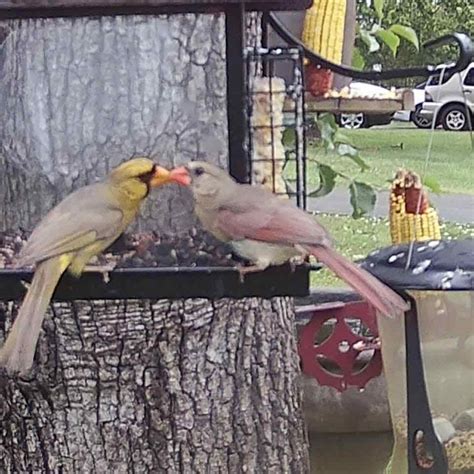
[[18, 351]]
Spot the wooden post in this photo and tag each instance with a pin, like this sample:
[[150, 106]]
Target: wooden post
[[349, 39]]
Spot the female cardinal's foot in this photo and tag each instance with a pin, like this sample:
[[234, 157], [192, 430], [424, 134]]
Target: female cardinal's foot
[[250, 269], [295, 261]]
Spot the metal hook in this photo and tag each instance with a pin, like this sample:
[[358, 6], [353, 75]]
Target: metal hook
[[464, 42]]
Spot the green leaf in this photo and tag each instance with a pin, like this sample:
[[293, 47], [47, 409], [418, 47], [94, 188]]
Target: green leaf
[[369, 40], [389, 16], [375, 27], [432, 184], [358, 61], [327, 181], [390, 39], [329, 118], [288, 138], [363, 198], [352, 153], [360, 162], [378, 5], [347, 150], [407, 33], [340, 137], [327, 128]]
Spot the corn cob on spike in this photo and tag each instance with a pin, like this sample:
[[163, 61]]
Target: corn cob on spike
[[323, 30], [408, 221], [326, 29]]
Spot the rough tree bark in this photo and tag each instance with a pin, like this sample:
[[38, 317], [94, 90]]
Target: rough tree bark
[[135, 386], [80, 96], [158, 386]]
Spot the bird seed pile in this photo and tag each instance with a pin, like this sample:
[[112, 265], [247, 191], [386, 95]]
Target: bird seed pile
[[148, 249]]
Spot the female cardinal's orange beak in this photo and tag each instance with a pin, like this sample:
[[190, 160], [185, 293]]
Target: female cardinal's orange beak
[[160, 176], [181, 176]]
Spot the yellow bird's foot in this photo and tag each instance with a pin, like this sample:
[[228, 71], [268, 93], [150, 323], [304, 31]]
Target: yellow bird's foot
[[104, 269]]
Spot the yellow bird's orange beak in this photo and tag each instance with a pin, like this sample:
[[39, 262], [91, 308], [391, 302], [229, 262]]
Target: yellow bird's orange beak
[[181, 176], [160, 176]]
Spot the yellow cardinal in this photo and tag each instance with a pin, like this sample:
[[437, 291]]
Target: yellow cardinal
[[81, 226]]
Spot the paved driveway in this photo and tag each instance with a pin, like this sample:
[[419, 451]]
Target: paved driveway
[[451, 207]]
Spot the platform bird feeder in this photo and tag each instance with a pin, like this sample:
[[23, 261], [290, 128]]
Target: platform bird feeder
[[185, 278]]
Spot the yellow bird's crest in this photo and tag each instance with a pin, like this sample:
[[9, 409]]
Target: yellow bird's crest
[[132, 169]]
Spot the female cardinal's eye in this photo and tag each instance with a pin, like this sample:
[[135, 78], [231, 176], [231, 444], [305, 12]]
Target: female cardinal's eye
[[199, 171]]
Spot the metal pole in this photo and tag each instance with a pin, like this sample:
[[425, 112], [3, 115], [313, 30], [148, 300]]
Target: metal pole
[[418, 407], [265, 33], [235, 69]]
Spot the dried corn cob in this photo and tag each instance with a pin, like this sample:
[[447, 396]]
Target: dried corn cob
[[323, 33], [411, 216], [323, 29], [268, 152]]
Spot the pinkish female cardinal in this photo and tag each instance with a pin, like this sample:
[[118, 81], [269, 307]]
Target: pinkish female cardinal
[[267, 230]]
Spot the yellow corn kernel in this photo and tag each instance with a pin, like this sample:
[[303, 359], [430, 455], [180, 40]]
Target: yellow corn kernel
[[323, 30], [338, 36], [309, 28], [426, 223], [313, 23], [407, 227]]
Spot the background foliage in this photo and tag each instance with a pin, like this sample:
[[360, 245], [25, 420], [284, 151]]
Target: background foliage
[[428, 18]]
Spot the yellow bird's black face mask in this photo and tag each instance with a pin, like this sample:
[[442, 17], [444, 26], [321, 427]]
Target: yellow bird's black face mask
[[146, 178]]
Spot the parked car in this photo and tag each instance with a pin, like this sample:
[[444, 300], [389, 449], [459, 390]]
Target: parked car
[[449, 98], [361, 120], [415, 115]]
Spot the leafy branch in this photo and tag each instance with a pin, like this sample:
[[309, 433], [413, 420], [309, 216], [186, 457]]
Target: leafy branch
[[362, 195], [370, 35]]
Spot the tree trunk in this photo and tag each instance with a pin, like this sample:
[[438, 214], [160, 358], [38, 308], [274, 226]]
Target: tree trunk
[[79, 96], [158, 386], [135, 386]]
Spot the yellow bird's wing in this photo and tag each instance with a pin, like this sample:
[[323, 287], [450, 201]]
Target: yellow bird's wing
[[84, 217]]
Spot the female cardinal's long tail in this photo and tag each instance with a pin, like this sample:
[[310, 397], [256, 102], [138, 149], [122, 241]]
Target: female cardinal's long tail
[[370, 288], [17, 353]]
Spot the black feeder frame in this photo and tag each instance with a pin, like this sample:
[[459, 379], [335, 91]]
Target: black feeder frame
[[175, 282], [216, 282]]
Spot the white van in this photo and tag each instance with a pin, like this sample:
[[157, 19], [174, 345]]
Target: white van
[[450, 98]]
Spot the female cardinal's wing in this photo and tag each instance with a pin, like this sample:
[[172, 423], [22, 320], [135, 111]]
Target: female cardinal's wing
[[259, 215]]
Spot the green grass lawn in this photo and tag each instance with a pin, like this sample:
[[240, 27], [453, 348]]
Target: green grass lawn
[[385, 149], [356, 238]]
